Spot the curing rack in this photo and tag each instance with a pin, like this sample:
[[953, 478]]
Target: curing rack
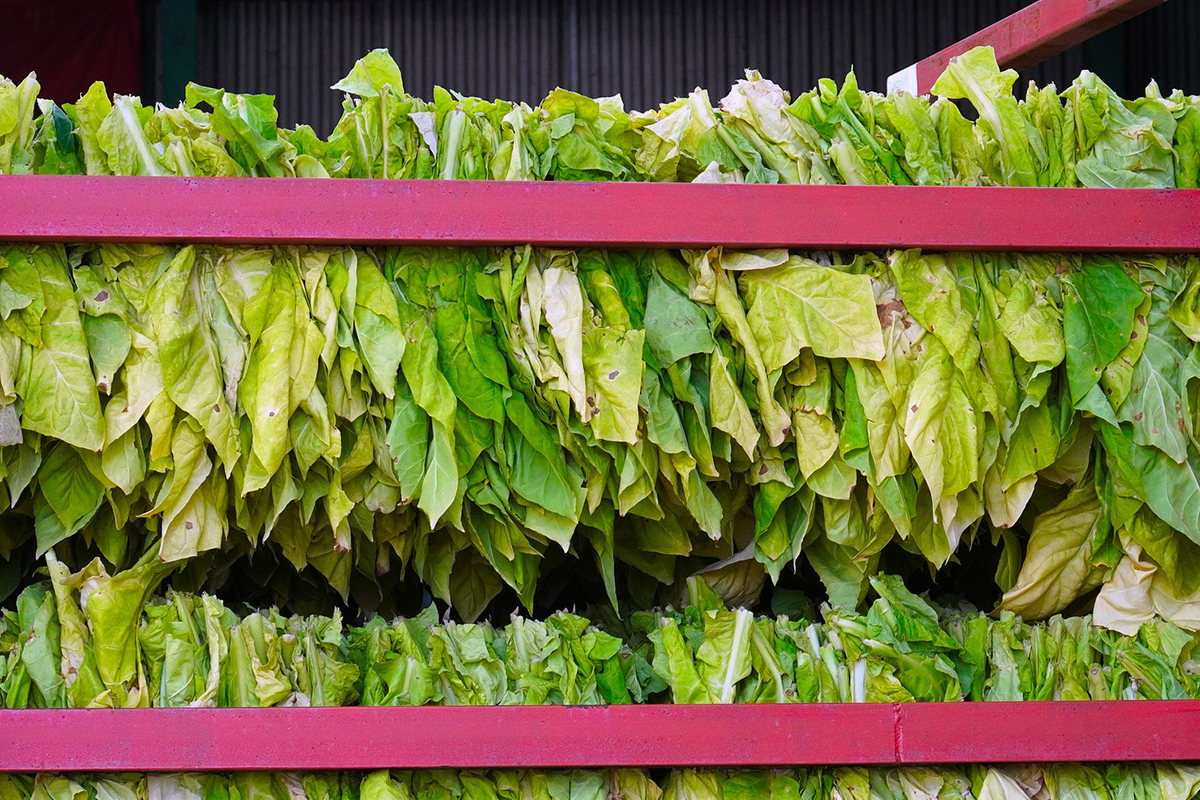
[[314, 212]]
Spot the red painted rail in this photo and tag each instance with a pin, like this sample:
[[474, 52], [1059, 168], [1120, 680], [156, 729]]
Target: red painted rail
[[546, 736], [1135, 730], [304, 211], [1029, 36]]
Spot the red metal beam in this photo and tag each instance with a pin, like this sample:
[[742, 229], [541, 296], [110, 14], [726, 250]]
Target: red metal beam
[[1133, 730], [148, 740], [432, 737], [302, 211], [1029, 36]]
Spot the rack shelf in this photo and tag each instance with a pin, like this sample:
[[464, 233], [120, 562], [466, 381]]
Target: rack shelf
[[347, 211], [313, 212], [149, 740]]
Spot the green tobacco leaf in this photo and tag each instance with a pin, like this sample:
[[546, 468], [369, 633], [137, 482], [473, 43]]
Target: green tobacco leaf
[[190, 367], [264, 391], [1058, 561], [408, 443], [377, 327], [723, 658], [122, 137], [974, 76], [1099, 302], [193, 507], [1032, 326], [247, 122], [108, 341], [56, 379], [439, 486], [613, 364], [473, 584], [928, 287], [71, 492], [1153, 404], [1130, 150], [805, 305], [371, 74], [923, 154], [1172, 490], [730, 413], [943, 426], [673, 661], [89, 113], [676, 327]]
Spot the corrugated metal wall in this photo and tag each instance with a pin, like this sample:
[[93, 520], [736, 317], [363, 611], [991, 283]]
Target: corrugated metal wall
[[649, 51], [1162, 45]]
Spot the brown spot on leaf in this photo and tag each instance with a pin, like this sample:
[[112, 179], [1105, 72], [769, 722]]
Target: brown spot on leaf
[[1133, 335], [217, 408], [612, 376], [914, 408], [189, 524], [102, 296], [270, 413], [886, 312], [762, 470], [1137, 417]]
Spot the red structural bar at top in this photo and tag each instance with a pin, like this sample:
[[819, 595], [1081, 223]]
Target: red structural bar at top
[[149, 740], [345, 211], [1029, 36]]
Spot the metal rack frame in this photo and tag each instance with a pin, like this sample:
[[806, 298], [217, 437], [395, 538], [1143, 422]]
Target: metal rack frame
[[546, 213], [296, 211], [463, 737]]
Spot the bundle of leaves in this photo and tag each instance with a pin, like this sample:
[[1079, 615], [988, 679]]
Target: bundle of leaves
[[90, 640], [1084, 136]]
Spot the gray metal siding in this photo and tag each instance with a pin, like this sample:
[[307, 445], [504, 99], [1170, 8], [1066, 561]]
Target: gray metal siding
[[649, 51], [1163, 45]]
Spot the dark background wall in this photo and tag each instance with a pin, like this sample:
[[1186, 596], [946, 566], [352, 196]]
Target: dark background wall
[[70, 43]]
